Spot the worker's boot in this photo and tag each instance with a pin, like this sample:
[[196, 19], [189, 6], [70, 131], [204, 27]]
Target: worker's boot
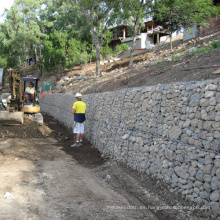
[[76, 145]]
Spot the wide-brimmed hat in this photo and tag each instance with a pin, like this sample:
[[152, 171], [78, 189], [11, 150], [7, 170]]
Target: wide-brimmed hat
[[78, 95]]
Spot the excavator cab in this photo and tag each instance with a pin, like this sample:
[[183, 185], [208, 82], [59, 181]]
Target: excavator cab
[[31, 105]]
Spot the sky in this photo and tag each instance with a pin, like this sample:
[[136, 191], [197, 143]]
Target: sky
[[5, 4]]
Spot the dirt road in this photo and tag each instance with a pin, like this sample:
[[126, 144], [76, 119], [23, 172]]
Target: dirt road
[[43, 178]]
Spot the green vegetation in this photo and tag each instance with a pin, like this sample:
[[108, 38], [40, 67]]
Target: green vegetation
[[161, 64], [105, 49], [64, 33], [214, 45], [120, 48], [176, 59], [175, 14]]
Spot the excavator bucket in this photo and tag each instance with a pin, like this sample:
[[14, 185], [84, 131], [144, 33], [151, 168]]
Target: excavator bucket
[[11, 118]]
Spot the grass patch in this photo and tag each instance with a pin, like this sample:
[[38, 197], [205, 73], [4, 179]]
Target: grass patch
[[214, 45], [161, 64], [176, 58]]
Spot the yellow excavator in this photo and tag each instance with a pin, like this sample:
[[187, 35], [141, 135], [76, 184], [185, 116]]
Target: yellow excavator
[[16, 104]]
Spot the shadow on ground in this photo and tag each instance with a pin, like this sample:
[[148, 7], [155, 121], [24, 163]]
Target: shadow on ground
[[87, 155]]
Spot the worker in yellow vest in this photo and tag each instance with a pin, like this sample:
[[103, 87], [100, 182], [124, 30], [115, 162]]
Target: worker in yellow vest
[[29, 92], [79, 112]]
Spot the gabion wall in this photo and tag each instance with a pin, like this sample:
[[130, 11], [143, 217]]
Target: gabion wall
[[171, 132]]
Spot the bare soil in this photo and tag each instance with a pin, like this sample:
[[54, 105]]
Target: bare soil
[[42, 178]]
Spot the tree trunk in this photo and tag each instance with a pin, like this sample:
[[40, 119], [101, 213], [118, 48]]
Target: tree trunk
[[91, 55], [171, 41], [63, 65], [130, 65], [35, 50], [97, 60], [41, 72], [97, 46]]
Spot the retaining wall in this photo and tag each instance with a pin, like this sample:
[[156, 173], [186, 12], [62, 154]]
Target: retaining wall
[[171, 132]]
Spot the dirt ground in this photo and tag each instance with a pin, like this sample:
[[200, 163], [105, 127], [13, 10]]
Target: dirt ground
[[43, 178]]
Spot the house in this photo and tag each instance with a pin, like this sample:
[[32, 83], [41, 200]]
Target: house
[[29, 61], [150, 35], [197, 31], [118, 34], [214, 25]]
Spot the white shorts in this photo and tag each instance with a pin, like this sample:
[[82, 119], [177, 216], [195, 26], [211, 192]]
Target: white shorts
[[78, 128]]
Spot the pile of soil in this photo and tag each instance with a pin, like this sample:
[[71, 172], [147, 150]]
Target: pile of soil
[[29, 129]]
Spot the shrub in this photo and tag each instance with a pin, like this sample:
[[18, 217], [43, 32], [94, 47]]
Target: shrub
[[120, 48], [77, 53], [215, 44], [176, 59], [93, 56], [105, 51]]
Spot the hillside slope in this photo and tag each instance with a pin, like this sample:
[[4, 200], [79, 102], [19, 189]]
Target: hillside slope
[[158, 66]]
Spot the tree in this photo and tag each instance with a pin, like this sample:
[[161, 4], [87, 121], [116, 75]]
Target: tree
[[64, 16], [21, 30], [137, 10], [175, 14], [76, 52], [3, 54], [98, 14], [55, 49], [105, 49]]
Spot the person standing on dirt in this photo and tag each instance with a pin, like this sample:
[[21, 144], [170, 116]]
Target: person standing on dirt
[[78, 110]]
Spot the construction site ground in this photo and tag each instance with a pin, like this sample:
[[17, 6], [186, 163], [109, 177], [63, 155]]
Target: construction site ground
[[43, 178]]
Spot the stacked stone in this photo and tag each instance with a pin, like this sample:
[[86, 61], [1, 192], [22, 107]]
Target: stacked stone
[[171, 132]]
